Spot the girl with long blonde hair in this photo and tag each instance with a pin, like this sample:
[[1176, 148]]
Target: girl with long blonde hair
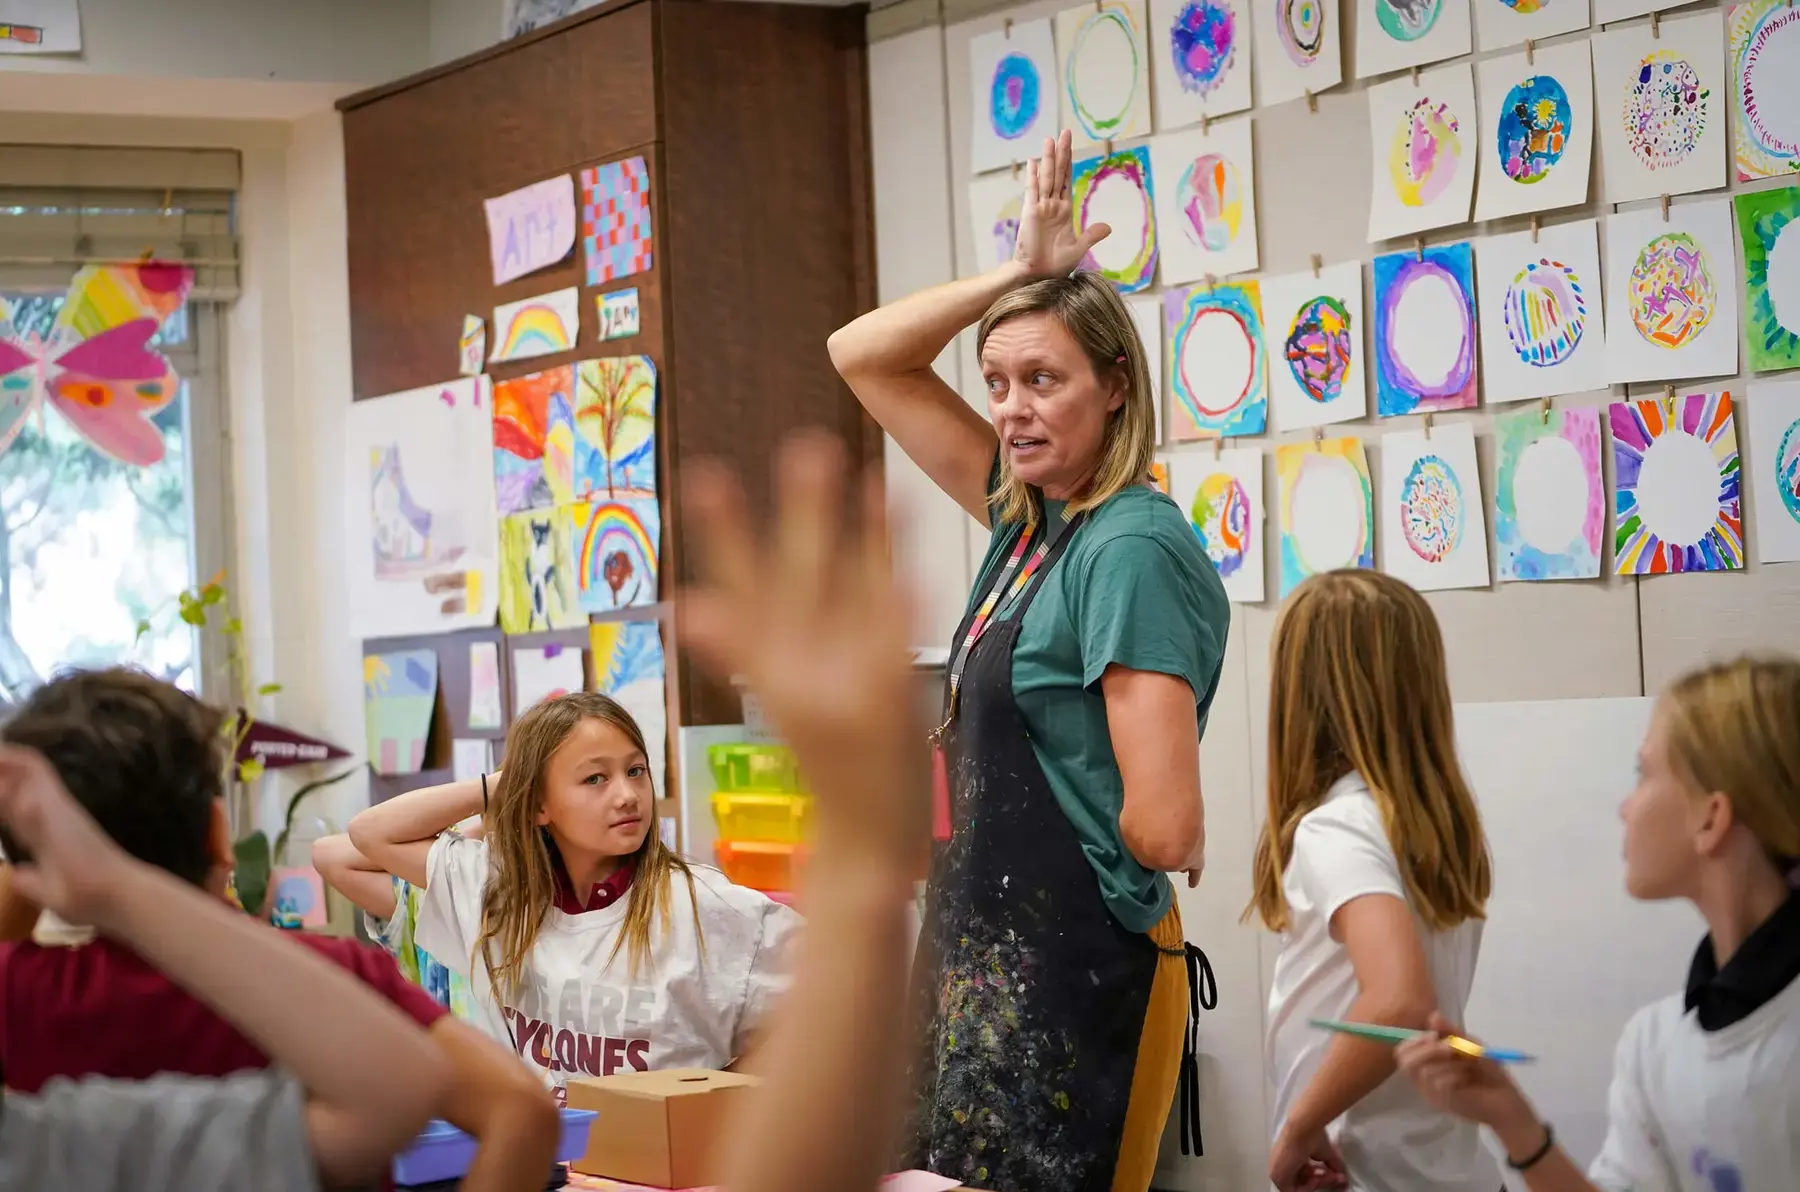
[[590, 945], [1373, 867]]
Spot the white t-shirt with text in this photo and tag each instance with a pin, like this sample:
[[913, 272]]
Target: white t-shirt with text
[[580, 1011], [1391, 1140]]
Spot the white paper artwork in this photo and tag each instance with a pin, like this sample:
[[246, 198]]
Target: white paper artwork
[[1200, 59], [40, 27], [1222, 495], [1315, 330], [1397, 34], [1502, 23], [541, 673], [1422, 143], [1537, 130], [1662, 104], [994, 206], [1147, 315], [1299, 48], [1543, 327], [1205, 201], [1013, 90], [422, 542], [1772, 416], [1433, 528], [470, 758], [1608, 11], [1671, 293], [1103, 68]]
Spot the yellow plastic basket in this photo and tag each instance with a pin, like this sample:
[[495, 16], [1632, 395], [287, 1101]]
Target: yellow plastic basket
[[781, 819]]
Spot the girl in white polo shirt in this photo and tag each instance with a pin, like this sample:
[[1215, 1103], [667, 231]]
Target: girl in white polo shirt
[[590, 946], [1706, 1083]]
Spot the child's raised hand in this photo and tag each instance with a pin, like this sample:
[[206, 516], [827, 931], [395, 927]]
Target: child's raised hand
[[1463, 1086], [810, 616], [72, 868]]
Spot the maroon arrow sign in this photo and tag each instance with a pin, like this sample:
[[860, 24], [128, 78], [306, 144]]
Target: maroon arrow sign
[[277, 747]]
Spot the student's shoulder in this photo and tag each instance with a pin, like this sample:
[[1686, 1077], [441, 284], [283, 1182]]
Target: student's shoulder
[[1650, 1030], [375, 968], [1347, 808], [718, 896]]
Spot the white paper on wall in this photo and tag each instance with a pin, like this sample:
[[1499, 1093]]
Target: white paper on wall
[[40, 27], [1316, 335], [541, 673], [1543, 324], [1608, 11], [1147, 314], [1502, 23], [1422, 145], [1205, 201], [1299, 48], [1662, 106], [1199, 59], [1772, 416], [1222, 495], [1433, 527], [1103, 68], [1537, 130], [1397, 34], [994, 206], [1671, 293], [1013, 94]]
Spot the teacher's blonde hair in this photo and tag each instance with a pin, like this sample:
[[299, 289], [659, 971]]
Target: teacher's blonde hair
[[1093, 313]]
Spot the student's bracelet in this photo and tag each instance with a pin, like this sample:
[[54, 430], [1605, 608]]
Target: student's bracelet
[[1537, 1156]]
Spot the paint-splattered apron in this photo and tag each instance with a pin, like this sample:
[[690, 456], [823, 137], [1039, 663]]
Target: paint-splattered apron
[[1036, 996]]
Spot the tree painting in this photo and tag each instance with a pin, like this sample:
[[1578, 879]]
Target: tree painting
[[615, 419]]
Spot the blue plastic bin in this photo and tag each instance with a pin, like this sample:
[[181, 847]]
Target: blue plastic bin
[[442, 1152]]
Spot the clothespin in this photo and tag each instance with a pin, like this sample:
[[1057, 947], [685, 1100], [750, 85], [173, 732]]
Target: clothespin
[[1656, 25], [1665, 208], [1205, 124], [1017, 166], [168, 207], [1212, 281], [1428, 426], [1544, 411], [1218, 446], [1534, 229], [1109, 148], [1668, 393], [1099, 6], [1006, 28], [1312, 101], [1415, 75], [1318, 262], [1419, 247], [1318, 438], [1530, 52]]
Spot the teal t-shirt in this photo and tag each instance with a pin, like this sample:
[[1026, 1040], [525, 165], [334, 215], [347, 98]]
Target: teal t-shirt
[[1134, 588]]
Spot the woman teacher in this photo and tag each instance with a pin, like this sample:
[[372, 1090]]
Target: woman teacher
[[1052, 960]]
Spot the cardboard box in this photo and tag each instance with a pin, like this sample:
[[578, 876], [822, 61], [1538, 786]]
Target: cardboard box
[[658, 1128]]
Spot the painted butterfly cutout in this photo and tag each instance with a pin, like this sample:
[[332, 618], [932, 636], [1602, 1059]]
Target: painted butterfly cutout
[[96, 366]]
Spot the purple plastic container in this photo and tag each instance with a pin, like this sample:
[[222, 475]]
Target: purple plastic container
[[442, 1152]]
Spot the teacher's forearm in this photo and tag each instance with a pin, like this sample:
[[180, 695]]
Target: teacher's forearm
[[1165, 835]]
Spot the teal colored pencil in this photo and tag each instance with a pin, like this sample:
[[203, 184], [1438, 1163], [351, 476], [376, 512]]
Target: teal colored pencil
[[1401, 1034]]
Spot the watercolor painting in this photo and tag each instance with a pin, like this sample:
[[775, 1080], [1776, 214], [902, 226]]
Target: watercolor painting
[[1772, 422], [1146, 316], [1550, 495], [1205, 201], [531, 228], [1327, 509], [615, 425], [1433, 528], [1159, 476], [423, 550], [1608, 11], [616, 234], [1674, 310], [298, 899], [1425, 330], [1103, 61], [545, 672], [1676, 504], [485, 711], [537, 571], [1396, 34], [1218, 361], [541, 326], [995, 204], [1537, 122], [1421, 144], [1201, 53], [1673, 290], [1316, 346], [1765, 88], [629, 666], [1502, 23], [534, 440], [1660, 104], [616, 546], [1308, 34], [1222, 494], [1013, 88], [471, 348], [1769, 224], [617, 313], [1116, 189], [1543, 328], [399, 694]]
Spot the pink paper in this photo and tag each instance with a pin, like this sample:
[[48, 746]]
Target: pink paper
[[531, 228]]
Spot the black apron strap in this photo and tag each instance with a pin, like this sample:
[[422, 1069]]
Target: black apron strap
[[1203, 994]]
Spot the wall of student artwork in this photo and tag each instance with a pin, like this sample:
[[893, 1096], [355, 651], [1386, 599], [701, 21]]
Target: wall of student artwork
[[1552, 620]]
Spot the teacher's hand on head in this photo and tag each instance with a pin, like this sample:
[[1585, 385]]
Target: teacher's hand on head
[[1048, 244]]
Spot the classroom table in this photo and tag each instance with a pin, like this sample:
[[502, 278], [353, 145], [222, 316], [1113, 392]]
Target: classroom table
[[910, 1181]]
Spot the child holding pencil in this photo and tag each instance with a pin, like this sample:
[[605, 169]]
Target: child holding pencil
[[1374, 868], [1704, 1095]]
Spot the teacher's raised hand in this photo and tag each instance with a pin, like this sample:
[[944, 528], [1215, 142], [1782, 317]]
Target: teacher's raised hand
[[1048, 244]]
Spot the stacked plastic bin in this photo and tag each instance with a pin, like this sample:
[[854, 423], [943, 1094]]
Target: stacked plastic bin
[[763, 815]]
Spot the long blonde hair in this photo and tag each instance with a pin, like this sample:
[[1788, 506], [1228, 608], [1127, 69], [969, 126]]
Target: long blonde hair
[[1093, 313], [1359, 685], [522, 886], [1734, 728]]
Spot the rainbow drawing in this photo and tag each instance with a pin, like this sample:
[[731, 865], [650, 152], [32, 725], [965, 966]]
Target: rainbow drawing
[[618, 544], [540, 326], [1676, 481]]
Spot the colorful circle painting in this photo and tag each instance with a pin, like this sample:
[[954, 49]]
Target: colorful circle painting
[[1218, 362], [1115, 190], [1526, 6], [1098, 93], [1203, 42], [1014, 96], [1423, 159], [1437, 364], [1765, 43], [1211, 202], [1545, 313], [1301, 27], [1006, 228], [1787, 469], [1221, 517], [1672, 294], [1319, 345], [1533, 128], [1431, 508], [1665, 111], [1407, 20]]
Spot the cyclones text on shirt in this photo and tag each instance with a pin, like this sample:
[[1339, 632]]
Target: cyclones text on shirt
[[597, 1030]]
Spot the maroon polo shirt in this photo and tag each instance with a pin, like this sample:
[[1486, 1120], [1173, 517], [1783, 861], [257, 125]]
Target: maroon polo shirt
[[101, 1009], [604, 894]]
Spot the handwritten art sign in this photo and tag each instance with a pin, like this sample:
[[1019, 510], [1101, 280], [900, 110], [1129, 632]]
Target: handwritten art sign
[[531, 228], [40, 27]]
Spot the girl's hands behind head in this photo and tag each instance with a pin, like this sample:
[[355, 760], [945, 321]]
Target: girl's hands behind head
[[1048, 244], [809, 614]]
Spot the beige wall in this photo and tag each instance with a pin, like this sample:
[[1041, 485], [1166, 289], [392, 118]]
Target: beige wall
[[1612, 637]]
